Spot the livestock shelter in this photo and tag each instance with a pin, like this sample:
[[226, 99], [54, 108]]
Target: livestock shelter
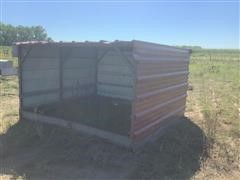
[[126, 92]]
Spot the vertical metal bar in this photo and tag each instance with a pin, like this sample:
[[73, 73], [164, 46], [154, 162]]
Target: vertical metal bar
[[96, 70], [21, 59], [133, 101], [64, 54], [61, 73], [20, 82]]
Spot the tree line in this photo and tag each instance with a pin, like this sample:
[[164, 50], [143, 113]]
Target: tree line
[[10, 34]]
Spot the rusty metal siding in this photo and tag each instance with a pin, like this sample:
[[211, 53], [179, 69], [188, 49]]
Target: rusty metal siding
[[160, 88], [140, 135]]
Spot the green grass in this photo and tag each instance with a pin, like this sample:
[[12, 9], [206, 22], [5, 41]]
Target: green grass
[[215, 75], [205, 145], [219, 87], [8, 102]]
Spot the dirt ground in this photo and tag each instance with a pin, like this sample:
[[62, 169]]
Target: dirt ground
[[55, 153]]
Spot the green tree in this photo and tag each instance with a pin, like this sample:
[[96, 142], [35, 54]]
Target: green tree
[[39, 33], [24, 34], [10, 34]]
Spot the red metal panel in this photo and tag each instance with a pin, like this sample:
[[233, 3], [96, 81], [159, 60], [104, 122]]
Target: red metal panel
[[149, 115], [161, 67], [161, 85], [153, 84], [145, 103], [140, 135]]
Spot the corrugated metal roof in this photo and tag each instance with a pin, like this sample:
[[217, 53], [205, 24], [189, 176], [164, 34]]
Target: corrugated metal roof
[[31, 42], [155, 49], [137, 43], [69, 42]]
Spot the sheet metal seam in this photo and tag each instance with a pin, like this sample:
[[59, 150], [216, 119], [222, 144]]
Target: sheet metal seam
[[145, 95], [158, 121], [145, 77], [155, 107]]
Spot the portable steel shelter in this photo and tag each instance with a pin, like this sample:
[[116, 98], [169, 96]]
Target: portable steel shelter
[[101, 87]]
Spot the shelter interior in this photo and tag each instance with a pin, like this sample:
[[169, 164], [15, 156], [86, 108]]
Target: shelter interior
[[92, 84]]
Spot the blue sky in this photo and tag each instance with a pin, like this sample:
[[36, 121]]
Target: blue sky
[[207, 24]]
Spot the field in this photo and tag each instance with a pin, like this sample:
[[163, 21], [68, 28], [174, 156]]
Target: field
[[205, 145]]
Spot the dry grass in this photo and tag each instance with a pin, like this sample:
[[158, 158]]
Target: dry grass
[[216, 96], [9, 104], [205, 145]]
